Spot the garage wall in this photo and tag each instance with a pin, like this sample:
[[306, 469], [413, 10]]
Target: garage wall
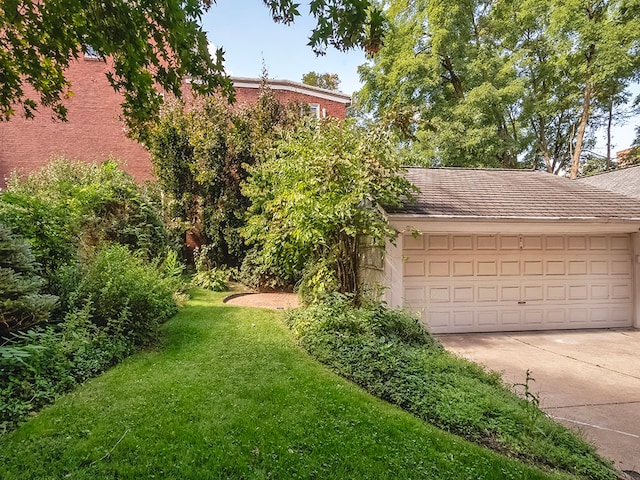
[[475, 283]]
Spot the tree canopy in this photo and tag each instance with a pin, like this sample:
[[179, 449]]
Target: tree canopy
[[502, 83], [148, 45], [329, 81]]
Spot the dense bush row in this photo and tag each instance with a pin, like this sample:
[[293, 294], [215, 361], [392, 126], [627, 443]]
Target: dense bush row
[[389, 354], [87, 278]]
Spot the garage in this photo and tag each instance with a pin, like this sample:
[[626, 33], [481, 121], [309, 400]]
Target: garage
[[513, 250], [485, 283]]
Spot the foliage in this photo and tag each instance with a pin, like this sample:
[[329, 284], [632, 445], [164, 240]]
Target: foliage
[[113, 305], [231, 396], [39, 365], [389, 354], [215, 279], [21, 303], [200, 158], [146, 45], [315, 197], [127, 295], [69, 206], [501, 83], [329, 81]]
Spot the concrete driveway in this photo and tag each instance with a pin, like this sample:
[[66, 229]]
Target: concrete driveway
[[588, 380]]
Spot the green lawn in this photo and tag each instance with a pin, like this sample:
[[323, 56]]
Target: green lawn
[[230, 395]]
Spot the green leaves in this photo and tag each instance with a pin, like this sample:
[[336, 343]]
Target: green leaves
[[315, 196], [501, 83]]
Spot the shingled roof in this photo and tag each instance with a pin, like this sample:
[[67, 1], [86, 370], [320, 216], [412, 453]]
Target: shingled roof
[[511, 194], [625, 181]]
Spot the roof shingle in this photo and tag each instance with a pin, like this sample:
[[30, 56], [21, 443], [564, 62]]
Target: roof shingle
[[625, 181], [511, 194]]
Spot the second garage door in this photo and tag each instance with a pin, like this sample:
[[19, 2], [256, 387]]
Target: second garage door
[[484, 283]]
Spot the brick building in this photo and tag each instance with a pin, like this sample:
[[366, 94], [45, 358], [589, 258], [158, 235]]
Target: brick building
[[94, 130]]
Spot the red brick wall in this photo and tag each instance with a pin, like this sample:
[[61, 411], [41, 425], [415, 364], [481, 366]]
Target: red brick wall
[[335, 109], [93, 131]]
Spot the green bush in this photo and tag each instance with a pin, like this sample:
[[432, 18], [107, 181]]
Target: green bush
[[126, 293], [21, 303], [215, 279], [67, 206], [38, 365], [391, 355]]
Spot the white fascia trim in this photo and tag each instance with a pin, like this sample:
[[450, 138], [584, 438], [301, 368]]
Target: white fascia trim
[[410, 224], [291, 86]]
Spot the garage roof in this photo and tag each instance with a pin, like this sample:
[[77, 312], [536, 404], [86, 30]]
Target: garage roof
[[625, 181], [511, 194]]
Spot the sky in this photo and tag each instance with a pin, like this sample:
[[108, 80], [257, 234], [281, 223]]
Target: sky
[[249, 37], [247, 34]]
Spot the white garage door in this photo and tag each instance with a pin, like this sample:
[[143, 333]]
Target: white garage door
[[484, 283]]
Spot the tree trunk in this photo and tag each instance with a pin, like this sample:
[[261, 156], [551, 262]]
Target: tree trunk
[[455, 80], [582, 126], [609, 122]]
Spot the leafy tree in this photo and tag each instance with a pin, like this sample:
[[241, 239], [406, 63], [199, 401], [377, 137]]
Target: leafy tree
[[147, 44], [200, 158], [315, 198], [502, 82], [330, 81], [440, 80], [21, 303]]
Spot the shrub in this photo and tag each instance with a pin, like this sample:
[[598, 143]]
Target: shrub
[[38, 365], [215, 279], [126, 293], [389, 354], [70, 205], [21, 303]]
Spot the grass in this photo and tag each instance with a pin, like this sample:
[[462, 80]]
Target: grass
[[230, 395]]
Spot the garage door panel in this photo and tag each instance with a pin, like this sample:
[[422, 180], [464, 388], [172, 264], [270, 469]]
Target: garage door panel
[[439, 294], [600, 291], [414, 269], [510, 293], [488, 318], [438, 242], [577, 242], [555, 267], [510, 268], [463, 268], [488, 293], [509, 242], [554, 242], [577, 292], [487, 268], [438, 269], [621, 291], [462, 242], [556, 292], [621, 267], [532, 267], [620, 243], [486, 242], [509, 282], [577, 267]]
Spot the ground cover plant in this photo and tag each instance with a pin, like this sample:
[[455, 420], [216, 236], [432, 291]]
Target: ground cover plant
[[389, 354], [230, 395]]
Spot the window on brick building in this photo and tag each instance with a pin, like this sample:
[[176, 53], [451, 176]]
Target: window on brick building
[[314, 110]]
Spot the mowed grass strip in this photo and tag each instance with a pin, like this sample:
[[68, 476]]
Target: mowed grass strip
[[230, 395]]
